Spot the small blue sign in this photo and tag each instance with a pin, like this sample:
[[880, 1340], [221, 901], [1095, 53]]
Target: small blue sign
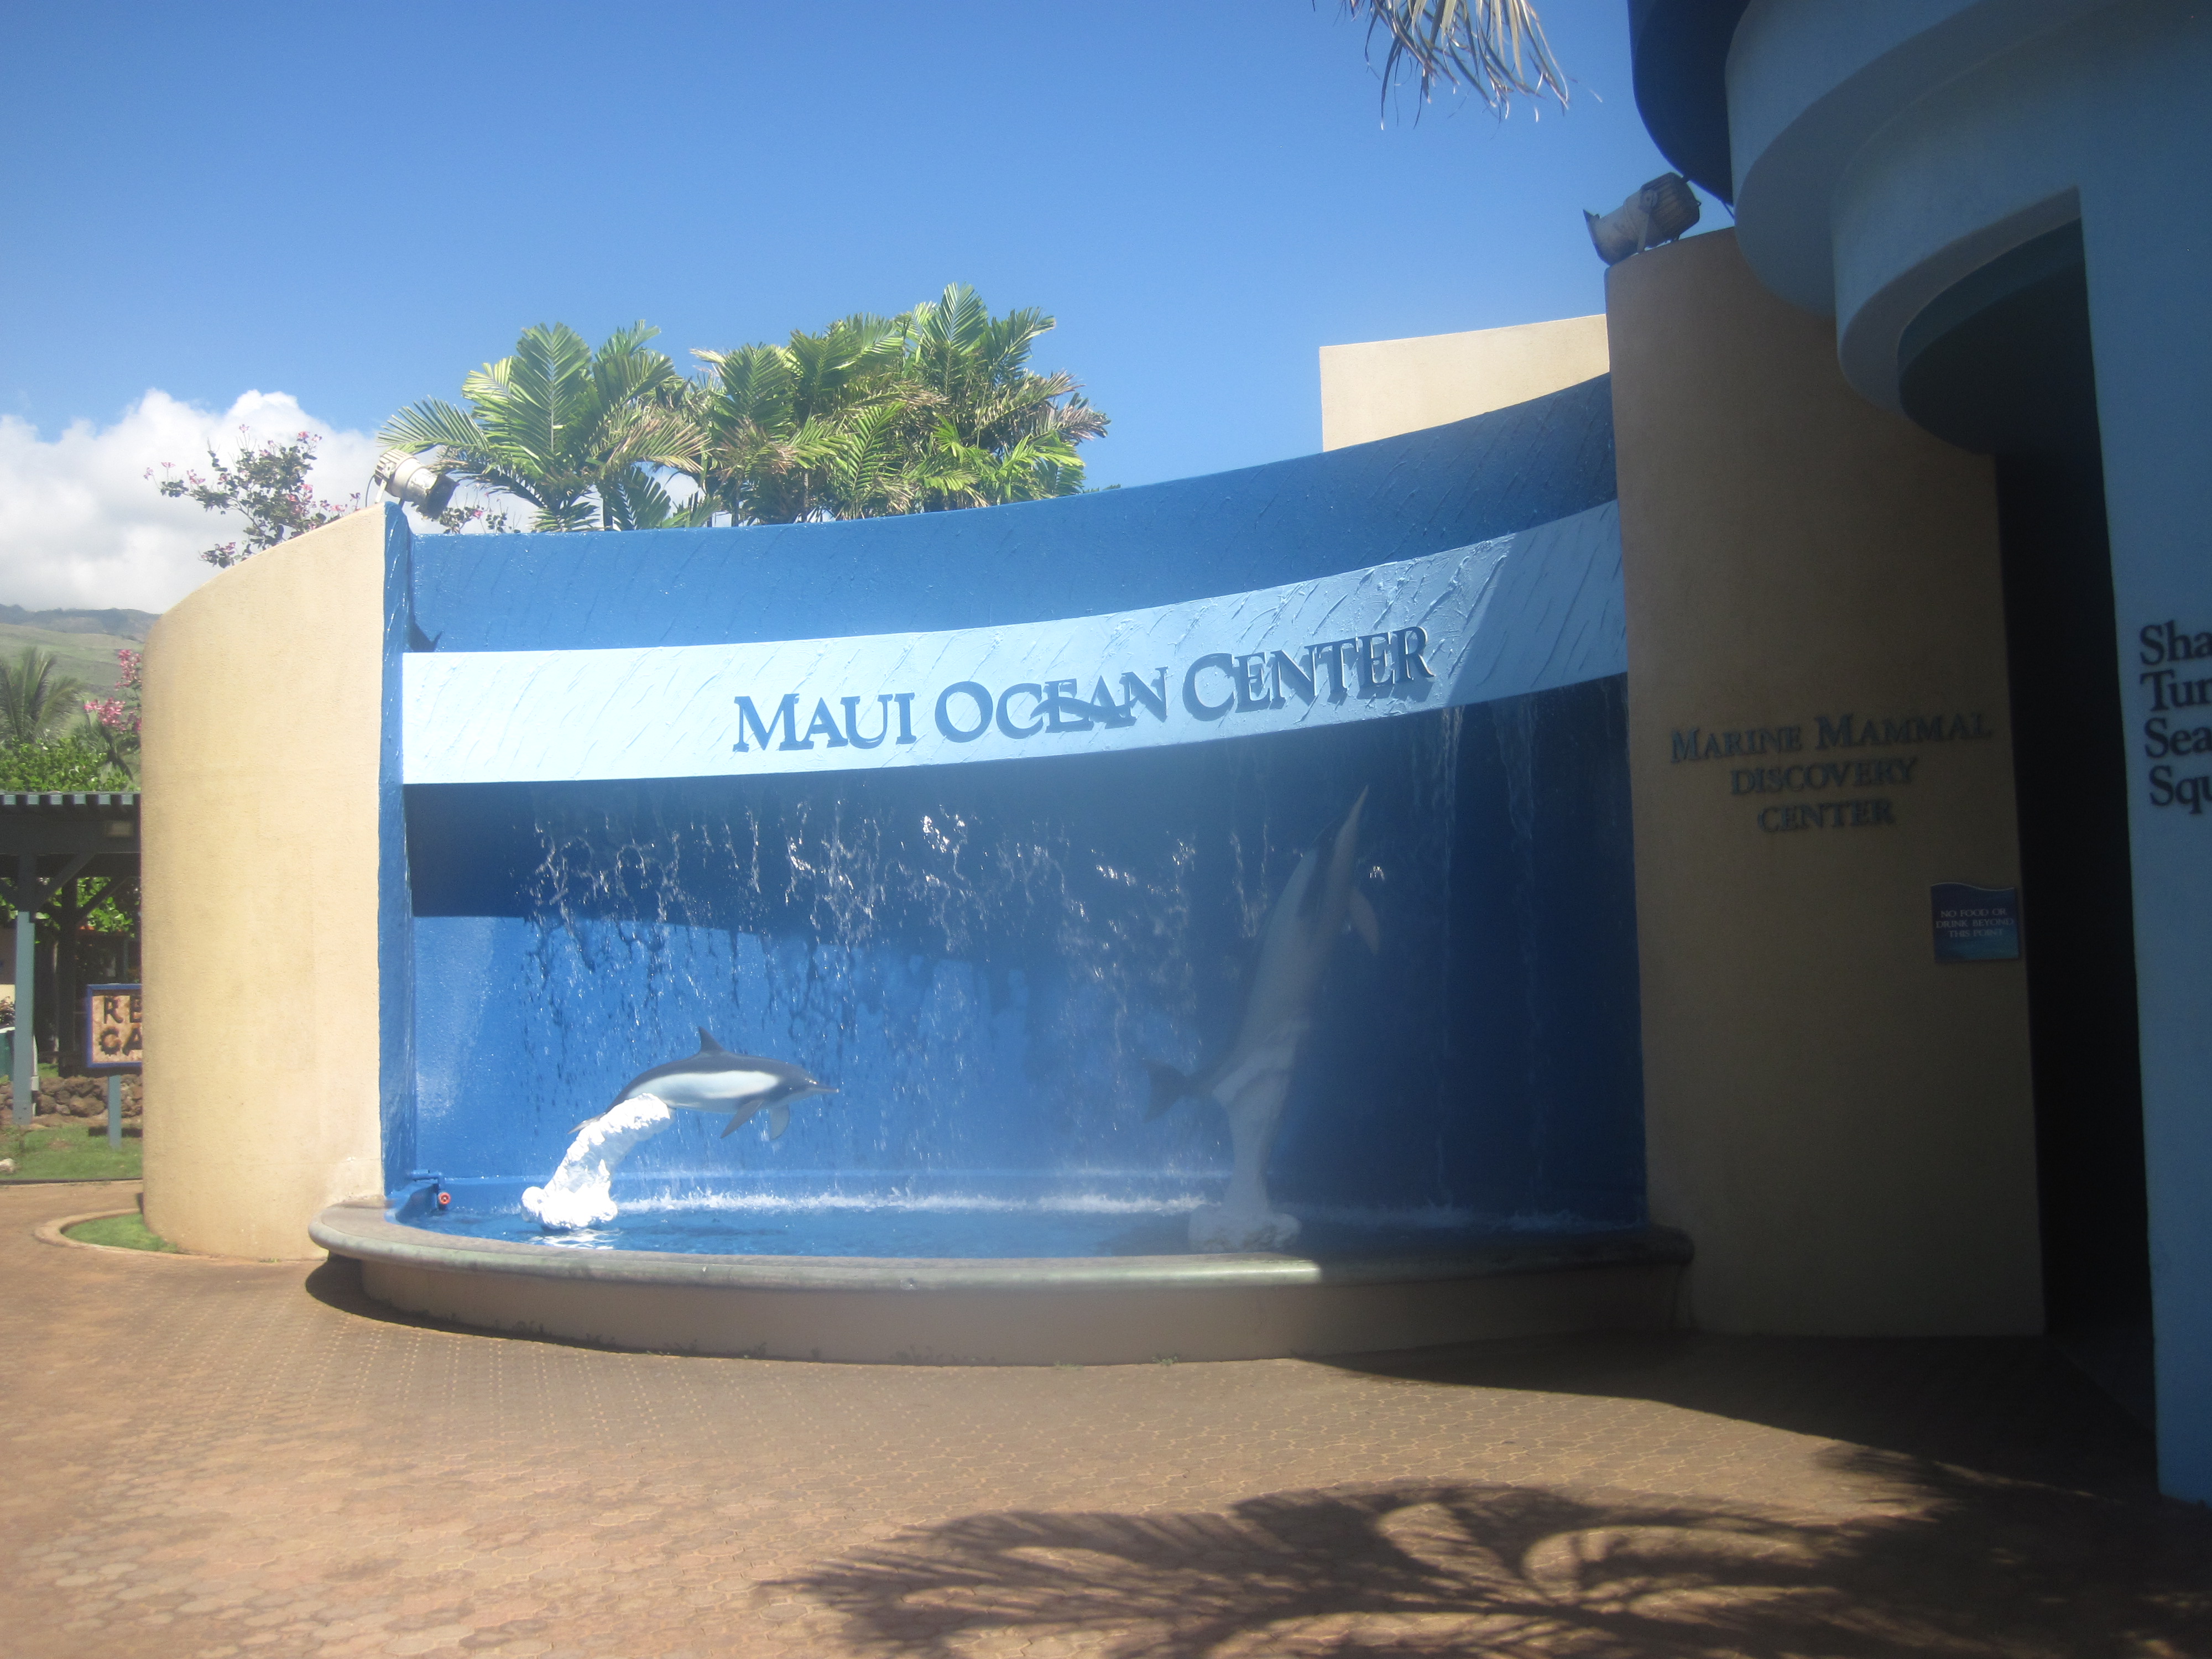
[[1976, 924]]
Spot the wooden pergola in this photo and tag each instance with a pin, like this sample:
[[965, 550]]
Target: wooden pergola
[[48, 842]]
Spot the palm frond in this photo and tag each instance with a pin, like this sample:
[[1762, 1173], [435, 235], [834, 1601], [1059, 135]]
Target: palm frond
[[34, 698], [431, 424], [932, 409], [1494, 48]]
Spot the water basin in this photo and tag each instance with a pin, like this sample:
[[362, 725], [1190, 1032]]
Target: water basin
[[981, 1215], [782, 1279]]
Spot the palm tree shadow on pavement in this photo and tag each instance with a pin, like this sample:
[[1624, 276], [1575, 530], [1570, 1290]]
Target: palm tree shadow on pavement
[[1966, 1566], [2014, 1406]]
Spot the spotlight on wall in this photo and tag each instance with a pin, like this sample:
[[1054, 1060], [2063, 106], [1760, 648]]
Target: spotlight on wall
[[1658, 213], [413, 481]]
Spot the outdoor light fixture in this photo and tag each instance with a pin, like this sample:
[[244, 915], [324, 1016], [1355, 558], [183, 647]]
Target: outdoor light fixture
[[1658, 213], [414, 482]]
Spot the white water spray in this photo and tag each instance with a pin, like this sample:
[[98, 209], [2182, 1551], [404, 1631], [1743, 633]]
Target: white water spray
[[580, 1194]]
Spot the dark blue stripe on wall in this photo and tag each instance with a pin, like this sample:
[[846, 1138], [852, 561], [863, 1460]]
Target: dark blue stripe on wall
[[1081, 556], [395, 911]]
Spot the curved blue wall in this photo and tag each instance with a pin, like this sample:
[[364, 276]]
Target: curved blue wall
[[1081, 556], [983, 955]]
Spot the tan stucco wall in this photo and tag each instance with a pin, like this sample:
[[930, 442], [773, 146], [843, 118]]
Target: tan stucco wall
[[1844, 1127], [263, 693], [1383, 387]]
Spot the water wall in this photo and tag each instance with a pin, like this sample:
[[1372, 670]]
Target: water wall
[[982, 936]]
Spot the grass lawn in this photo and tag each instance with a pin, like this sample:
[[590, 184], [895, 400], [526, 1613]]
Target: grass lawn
[[70, 1154], [127, 1231]]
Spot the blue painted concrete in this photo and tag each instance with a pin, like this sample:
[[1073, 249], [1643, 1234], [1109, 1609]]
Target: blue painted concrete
[[1528, 612], [982, 956], [1118, 550], [1679, 49], [395, 920]]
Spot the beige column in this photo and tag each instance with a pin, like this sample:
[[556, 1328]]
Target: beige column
[[1843, 1125], [263, 693], [1380, 388]]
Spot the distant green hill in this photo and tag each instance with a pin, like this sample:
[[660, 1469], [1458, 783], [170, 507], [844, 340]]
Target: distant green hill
[[83, 643], [123, 624]]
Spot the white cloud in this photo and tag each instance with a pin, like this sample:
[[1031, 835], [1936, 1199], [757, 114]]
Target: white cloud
[[81, 525]]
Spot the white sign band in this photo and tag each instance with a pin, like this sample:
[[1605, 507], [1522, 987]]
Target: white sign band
[[1522, 613]]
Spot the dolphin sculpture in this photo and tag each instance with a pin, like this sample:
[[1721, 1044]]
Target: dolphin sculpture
[[580, 1193], [716, 1080], [1317, 905]]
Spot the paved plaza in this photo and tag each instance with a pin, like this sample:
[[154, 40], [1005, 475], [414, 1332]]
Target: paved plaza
[[210, 1459]]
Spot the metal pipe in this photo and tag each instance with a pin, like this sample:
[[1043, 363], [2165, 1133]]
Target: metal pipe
[[26, 1079]]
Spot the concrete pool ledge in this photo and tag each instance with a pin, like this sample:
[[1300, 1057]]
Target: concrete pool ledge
[[1079, 1310]]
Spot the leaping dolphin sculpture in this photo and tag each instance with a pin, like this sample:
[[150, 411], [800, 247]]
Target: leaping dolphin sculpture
[[716, 1080], [1317, 905], [580, 1193]]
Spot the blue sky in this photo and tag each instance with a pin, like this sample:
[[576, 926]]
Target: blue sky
[[352, 206]]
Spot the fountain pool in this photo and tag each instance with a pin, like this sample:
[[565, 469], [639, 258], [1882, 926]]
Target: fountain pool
[[1049, 901]]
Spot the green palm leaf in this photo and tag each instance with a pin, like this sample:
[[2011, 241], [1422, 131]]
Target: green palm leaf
[[932, 410], [562, 427]]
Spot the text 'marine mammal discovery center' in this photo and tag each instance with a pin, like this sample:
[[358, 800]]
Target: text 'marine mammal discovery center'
[[1695, 817]]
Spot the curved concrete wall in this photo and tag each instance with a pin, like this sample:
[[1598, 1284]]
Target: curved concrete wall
[[264, 699], [1077, 555], [1843, 1126], [1809, 82], [982, 1022], [1883, 153], [278, 847]]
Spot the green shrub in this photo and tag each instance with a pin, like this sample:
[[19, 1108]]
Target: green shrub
[[65, 765]]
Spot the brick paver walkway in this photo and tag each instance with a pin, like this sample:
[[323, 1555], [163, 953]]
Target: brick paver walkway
[[209, 1460]]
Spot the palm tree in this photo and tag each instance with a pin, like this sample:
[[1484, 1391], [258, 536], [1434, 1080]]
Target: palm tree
[[34, 700], [1494, 47], [932, 410], [803, 430], [997, 433], [572, 431]]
